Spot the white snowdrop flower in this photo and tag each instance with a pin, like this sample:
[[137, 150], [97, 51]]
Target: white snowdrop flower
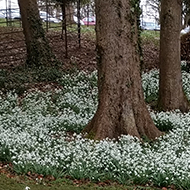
[[27, 188], [33, 135]]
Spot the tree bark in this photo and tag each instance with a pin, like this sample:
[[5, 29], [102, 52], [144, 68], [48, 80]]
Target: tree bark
[[171, 95], [121, 108], [38, 49]]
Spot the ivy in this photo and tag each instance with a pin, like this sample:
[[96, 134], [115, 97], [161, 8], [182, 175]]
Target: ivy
[[135, 22]]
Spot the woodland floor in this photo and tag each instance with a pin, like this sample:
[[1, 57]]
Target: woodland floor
[[82, 58]]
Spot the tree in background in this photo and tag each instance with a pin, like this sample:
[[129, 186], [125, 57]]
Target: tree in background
[[155, 7], [121, 107], [186, 11], [38, 49], [55, 8], [171, 95], [87, 5]]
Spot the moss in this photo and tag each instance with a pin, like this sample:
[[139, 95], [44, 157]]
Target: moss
[[135, 12], [90, 135], [38, 49], [135, 23]]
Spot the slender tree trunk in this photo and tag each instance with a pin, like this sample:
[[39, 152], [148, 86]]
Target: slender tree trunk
[[38, 49], [121, 108], [171, 95], [70, 13]]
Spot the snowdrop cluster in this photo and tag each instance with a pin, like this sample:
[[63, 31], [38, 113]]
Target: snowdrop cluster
[[150, 84], [33, 136]]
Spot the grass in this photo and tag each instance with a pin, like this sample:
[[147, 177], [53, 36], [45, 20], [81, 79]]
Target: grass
[[61, 184], [12, 23], [50, 26], [150, 37]]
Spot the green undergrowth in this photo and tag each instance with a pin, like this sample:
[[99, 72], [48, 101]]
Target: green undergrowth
[[21, 78], [150, 37]]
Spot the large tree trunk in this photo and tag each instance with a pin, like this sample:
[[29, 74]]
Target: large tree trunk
[[171, 95], [38, 49], [121, 109]]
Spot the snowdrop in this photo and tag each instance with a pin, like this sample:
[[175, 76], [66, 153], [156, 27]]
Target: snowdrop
[[35, 134]]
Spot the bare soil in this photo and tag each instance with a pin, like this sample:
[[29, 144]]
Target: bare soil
[[83, 57]]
